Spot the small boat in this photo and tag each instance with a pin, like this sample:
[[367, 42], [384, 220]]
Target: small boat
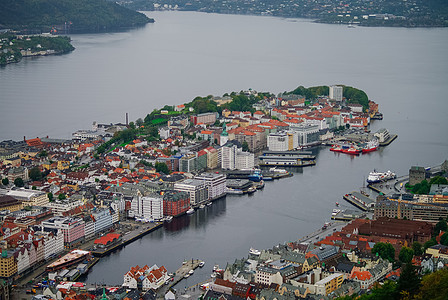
[[335, 212], [169, 218], [201, 206], [213, 275], [380, 176], [215, 268], [256, 176], [209, 204], [337, 204], [187, 275], [234, 191], [201, 264], [190, 211], [191, 272], [251, 190]]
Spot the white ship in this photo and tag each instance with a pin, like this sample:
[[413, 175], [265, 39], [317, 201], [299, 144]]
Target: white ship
[[380, 176]]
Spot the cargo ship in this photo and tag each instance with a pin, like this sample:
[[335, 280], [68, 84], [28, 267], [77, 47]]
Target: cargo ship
[[375, 177]]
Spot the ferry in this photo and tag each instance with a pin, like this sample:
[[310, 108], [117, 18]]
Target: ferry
[[190, 211], [371, 146], [380, 176], [254, 251]]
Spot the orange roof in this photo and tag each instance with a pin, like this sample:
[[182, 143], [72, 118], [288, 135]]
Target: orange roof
[[258, 113], [206, 132], [361, 275]]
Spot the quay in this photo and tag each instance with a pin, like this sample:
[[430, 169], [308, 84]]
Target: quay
[[128, 237], [360, 201], [347, 215], [287, 158], [389, 140], [186, 267]]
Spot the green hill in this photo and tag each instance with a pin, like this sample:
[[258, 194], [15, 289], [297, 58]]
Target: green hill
[[68, 15]]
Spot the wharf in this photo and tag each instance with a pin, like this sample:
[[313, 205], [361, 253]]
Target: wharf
[[128, 237], [387, 142], [186, 267], [360, 201], [348, 215]]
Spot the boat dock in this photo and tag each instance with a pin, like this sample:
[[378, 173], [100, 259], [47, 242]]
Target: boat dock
[[360, 201], [186, 267]]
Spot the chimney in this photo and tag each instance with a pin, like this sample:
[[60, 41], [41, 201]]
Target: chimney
[[24, 138], [127, 119]]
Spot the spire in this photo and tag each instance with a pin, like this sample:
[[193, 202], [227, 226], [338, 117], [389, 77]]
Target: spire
[[104, 297]]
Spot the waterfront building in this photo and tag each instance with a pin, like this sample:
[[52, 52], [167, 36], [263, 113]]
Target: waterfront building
[[8, 264], [72, 229], [175, 202], [216, 184], [382, 135], [418, 212], [196, 188], [10, 203], [145, 278], [282, 141], [233, 157], [53, 241], [29, 197], [89, 227], [149, 207], [307, 135], [416, 175], [336, 92], [267, 275], [102, 218]]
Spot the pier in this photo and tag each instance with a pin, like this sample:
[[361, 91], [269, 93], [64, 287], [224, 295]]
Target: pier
[[186, 267]]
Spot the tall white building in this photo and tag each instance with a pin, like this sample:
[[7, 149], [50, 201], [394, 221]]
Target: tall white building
[[233, 157], [148, 207], [216, 184], [283, 141], [336, 92], [307, 135]]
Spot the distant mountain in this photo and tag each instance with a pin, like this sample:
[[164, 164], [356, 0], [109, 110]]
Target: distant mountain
[[68, 15]]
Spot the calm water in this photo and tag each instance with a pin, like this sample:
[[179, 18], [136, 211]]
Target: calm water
[[184, 55]]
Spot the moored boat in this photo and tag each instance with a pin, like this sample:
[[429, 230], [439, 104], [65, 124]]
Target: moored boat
[[351, 151], [380, 176], [371, 146], [336, 148], [190, 211]]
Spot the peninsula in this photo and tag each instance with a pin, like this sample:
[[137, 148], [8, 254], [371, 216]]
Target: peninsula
[[68, 16]]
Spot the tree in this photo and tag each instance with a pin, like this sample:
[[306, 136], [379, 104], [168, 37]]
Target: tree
[[34, 187], [429, 243], [162, 167], [434, 286], [43, 153], [418, 248], [18, 182], [406, 255], [444, 239], [5, 181], [409, 282], [440, 226], [61, 196], [139, 122], [385, 251], [245, 146], [35, 174], [50, 197]]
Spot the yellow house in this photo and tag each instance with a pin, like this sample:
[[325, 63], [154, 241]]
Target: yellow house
[[63, 164], [8, 265], [310, 263], [14, 161]]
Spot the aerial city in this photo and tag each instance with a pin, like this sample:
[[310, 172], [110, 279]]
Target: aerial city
[[223, 149]]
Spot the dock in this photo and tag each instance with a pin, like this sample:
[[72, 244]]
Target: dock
[[186, 267], [127, 238], [348, 215], [360, 201]]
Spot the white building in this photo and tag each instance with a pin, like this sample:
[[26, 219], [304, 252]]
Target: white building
[[72, 228], [196, 188], [307, 135], [336, 92], [216, 184], [233, 157], [148, 207], [60, 206], [103, 220], [53, 242]]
